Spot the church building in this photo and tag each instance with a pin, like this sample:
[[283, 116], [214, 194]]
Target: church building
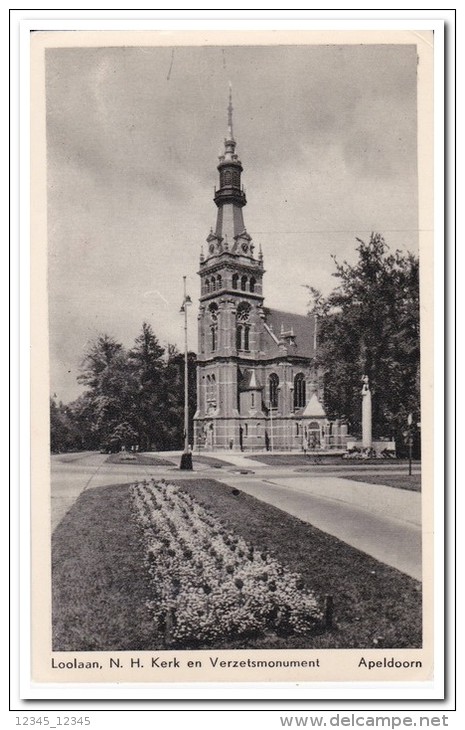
[[257, 384]]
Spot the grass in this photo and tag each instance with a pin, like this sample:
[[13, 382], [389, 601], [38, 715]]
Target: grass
[[312, 459], [210, 461], [298, 459], [100, 586], [145, 459], [398, 481]]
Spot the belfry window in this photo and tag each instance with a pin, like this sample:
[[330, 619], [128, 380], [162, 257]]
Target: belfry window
[[239, 337], [273, 390], [299, 391], [243, 326], [207, 285], [246, 337], [218, 282], [244, 283], [252, 284], [214, 332], [213, 312], [235, 280]]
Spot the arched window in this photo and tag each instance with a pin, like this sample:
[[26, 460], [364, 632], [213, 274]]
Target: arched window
[[211, 390], [235, 280], [227, 177], [242, 326], [273, 390], [207, 285], [218, 282], [246, 337], [244, 283], [213, 311], [239, 337], [252, 284], [299, 391]]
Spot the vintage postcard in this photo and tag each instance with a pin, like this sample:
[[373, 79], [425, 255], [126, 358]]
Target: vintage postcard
[[232, 462]]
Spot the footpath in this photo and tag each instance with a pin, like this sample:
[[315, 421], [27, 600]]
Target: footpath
[[379, 520]]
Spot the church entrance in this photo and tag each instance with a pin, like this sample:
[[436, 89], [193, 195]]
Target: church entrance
[[313, 435]]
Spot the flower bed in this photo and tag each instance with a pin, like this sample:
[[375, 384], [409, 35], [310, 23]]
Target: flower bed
[[209, 584]]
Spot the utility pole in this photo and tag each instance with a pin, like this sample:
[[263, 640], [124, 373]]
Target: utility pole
[[409, 421], [271, 425], [186, 458]]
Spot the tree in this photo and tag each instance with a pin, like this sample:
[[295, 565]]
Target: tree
[[147, 367], [370, 325], [131, 398], [111, 392], [173, 422]]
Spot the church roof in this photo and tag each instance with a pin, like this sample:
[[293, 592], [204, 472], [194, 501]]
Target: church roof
[[295, 330], [249, 380], [314, 409]]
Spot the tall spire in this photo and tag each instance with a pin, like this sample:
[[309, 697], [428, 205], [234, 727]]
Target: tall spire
[[230, 113]]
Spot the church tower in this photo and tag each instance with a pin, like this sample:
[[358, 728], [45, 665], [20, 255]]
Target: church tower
[[230, 312], [256, 374]]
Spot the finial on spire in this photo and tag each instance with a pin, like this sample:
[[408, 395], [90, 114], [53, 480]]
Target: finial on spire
[[230, 111]]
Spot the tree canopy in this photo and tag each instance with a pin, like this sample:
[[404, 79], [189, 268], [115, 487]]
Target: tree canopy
[[370, 325], [133, 398]]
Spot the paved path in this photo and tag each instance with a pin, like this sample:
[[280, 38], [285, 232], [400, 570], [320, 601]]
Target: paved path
[[381, 521]]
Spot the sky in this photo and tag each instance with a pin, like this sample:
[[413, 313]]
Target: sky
[[327, 136]]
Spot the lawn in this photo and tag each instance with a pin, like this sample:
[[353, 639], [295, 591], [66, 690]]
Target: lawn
[[100, 586], [137, 458], [315, 459], [210, 461], [296, 459], [398, 481]]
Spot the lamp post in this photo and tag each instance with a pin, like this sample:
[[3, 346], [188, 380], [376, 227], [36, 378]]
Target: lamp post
[[186, 458], [271, 427], [410, 443]]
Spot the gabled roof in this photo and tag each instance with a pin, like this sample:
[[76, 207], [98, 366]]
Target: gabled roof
[[314, 409], [249, 380], [298, 332]]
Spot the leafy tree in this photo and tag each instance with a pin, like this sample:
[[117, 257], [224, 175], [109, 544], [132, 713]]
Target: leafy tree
[[134, 397], [370, 325], [147, 368], [173, 421], [111, 392], [61, 436]]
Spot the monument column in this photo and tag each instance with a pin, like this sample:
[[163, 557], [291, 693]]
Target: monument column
[[366, 414]]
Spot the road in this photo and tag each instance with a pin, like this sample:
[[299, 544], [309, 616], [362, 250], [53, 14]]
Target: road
[[379, 520]]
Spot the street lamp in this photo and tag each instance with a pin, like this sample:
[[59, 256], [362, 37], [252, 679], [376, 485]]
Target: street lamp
[[271, 427], [186, 458], [410, 443]]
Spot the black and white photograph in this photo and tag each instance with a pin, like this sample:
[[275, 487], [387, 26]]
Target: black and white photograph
[[237, 435]]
